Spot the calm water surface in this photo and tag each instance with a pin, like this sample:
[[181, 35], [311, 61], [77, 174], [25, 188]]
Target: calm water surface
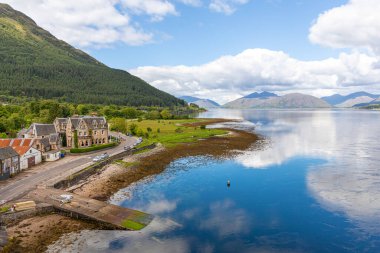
[[313, 186]]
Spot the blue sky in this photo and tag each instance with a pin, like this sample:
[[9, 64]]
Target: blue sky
[[198, 35], [225, 49]]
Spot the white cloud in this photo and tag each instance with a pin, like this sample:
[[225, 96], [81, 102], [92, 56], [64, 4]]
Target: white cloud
[[355, 24], [94, 22], [226, 6], [157, 9], [195, 3], [231, 76]]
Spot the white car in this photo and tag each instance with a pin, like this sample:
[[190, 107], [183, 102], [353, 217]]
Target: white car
[[100, 157], [96, 159], [104, 156]]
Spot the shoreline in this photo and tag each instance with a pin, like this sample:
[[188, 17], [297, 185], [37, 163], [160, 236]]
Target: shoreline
[[119, 175]]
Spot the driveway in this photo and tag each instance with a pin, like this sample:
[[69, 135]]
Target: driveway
[[28, 180]]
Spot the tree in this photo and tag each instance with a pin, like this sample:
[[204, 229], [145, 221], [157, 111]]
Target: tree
[[76, 139], [153, 115], [83, 109], [118, 124], [129, 113], [165, 114], [133, 128]]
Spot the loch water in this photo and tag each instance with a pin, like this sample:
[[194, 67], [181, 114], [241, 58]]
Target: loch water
[[312, 184]]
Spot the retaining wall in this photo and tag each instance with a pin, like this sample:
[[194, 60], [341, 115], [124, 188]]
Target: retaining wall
[[86, 172]]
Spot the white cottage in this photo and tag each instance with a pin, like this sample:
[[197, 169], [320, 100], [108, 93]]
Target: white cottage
[[29, 156]]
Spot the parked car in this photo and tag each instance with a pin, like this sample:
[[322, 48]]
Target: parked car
[[127, 148], [105, 156], [100, 157], [97, 159]]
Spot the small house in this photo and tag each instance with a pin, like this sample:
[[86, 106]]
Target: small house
[[29, 156], [46, 139], [9, 162]]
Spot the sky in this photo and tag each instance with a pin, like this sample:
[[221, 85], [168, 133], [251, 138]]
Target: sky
[[225, 49]]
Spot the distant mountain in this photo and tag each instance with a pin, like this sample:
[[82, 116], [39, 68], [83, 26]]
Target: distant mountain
[[373, 102], [34, 63], [189, 99], [355, 101], [206, 103], [351, 99], [294, 100], [203, 103], [262, 95]]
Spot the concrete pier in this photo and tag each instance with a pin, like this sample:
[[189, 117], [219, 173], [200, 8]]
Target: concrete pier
[[81, 207]]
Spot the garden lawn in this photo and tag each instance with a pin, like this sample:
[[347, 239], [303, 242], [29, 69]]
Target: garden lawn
[[173, 132]]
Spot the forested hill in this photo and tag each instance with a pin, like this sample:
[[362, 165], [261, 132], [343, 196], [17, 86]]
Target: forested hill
[[34, 63]]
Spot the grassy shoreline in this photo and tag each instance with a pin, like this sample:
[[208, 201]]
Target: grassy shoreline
[[219, 143], [173, 132]]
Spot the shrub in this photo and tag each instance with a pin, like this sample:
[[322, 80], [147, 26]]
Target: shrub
[[140, 133], [179, 130], [203, 127], [92, 148], [133, 128]]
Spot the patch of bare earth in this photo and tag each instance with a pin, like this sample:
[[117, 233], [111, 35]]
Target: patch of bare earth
[[36, 233]]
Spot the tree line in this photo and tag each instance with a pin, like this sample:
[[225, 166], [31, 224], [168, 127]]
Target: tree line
[[17, 113]]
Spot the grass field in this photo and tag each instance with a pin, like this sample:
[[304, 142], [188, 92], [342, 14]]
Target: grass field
[[172, 132]]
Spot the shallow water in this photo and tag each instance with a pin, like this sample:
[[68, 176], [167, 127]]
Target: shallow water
[[314, 187]]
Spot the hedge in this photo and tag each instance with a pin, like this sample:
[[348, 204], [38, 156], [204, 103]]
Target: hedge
[[92, 148]]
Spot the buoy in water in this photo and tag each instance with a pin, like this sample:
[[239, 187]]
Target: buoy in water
[[228, 183]]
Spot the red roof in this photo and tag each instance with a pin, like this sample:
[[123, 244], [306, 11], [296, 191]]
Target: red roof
[[16, 142], [28, 142], [5, 143], [21, 149]]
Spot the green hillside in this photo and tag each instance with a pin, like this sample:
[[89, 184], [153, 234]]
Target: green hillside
[[33, 63]]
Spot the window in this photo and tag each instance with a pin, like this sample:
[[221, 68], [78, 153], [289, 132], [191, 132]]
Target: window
[[102, 131], [30, 151], [95, 132]]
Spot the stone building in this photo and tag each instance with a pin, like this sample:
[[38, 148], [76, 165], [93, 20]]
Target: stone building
[[89, 130], [45, 139]]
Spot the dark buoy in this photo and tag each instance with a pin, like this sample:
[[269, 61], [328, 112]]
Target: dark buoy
[[228, 183]]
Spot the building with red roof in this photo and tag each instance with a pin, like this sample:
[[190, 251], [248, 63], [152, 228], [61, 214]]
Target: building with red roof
[[29, 156]]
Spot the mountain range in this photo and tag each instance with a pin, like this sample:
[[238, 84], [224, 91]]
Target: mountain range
[[356, 99], [203, 103], [293, 100], [33, 63], [271, 100]]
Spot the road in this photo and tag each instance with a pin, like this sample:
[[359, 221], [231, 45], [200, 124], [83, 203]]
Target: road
[[28, 180]]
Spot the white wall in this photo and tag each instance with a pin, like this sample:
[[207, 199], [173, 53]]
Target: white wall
[[32, 152]]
